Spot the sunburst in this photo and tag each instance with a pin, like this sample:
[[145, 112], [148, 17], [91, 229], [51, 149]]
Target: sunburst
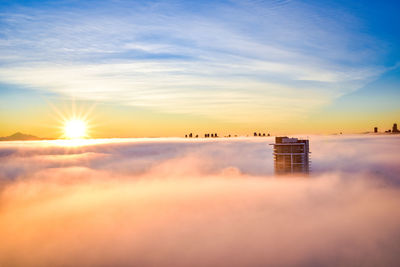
[[74, 121]]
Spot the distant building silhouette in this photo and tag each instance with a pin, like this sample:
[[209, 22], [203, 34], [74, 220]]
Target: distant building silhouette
[[375, 129], [394, 129], [291, 155]]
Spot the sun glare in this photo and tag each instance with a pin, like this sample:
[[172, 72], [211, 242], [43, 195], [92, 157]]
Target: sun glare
[[75, 129]]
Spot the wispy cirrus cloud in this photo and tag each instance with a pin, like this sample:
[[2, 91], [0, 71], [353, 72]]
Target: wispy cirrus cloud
[[197, 58]]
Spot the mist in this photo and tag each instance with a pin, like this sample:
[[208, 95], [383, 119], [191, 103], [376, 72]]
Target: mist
[[180, 202]]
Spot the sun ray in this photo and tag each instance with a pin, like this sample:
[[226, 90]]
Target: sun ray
[[74, 120]]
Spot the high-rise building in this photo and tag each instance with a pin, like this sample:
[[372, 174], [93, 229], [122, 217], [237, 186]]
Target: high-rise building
[[291, 155], [395, 130]]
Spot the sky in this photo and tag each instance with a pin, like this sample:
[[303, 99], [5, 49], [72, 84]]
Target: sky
[[167, 68], [198, 202]]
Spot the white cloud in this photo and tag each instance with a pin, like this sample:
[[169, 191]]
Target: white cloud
[[175, 202], [164, 56]]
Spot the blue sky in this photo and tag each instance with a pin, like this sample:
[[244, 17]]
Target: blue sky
[[236, 61]]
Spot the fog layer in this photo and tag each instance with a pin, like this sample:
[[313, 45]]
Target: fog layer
[[177, 202]]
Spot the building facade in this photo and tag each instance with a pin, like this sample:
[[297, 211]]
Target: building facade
[[394, 129], [291, 155]]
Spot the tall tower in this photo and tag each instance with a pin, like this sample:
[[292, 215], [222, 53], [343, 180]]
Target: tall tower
[[395, 130], [291, 155]]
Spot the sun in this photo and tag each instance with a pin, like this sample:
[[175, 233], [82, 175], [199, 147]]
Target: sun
[[75, 122], [75, 129]]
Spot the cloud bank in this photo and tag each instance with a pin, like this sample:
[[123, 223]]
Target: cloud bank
[[174, 202]]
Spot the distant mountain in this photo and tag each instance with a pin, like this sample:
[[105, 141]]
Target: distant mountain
[[19, 137]]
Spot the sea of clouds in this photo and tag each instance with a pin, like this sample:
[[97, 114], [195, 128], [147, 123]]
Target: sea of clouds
[[199, 202]]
